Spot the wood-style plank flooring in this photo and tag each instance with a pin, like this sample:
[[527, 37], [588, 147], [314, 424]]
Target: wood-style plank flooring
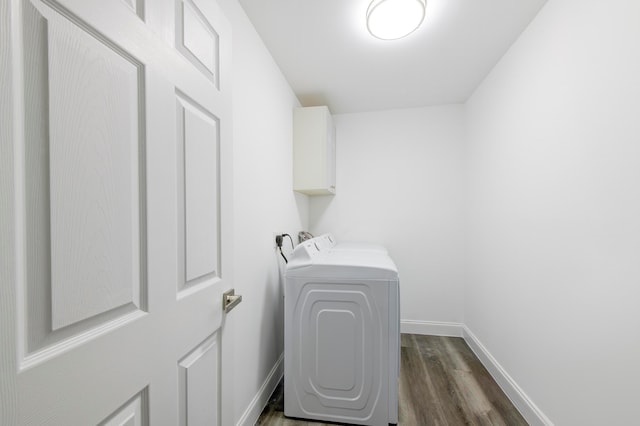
[[442, 383]]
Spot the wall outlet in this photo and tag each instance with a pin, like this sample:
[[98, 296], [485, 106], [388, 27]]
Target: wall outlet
[[273, 239]]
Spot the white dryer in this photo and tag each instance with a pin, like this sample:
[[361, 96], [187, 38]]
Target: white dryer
[[342, 335]]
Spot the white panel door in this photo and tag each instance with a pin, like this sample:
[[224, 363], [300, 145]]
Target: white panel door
[[115, 212]]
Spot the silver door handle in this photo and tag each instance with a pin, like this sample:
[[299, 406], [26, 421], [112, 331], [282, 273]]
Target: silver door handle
[[230, 300]]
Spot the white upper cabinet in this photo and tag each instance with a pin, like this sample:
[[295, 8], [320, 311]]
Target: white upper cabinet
[[314, 151]]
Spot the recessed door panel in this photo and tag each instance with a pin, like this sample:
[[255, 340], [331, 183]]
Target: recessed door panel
[[134, 412], [84, 184], [197, 38], [198, 380], [94, 128], [198, 142], [137, 6]]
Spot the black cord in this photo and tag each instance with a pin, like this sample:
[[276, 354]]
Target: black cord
[[279, 244], [283, 256], [290, 239]]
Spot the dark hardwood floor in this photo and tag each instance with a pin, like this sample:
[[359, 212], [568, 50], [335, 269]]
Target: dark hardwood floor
[[442, 383]]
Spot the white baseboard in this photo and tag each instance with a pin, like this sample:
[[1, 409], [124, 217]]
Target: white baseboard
[[431, 328], [532, 414], [253, 411]]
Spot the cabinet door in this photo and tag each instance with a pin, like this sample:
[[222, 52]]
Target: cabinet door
[[314, 159]]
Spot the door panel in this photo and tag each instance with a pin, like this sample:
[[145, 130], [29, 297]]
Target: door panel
[[135, 412], [198, 373], [198, 147], [84, 117], [197, 38], [95, 129], [121, 206], [137, 6]]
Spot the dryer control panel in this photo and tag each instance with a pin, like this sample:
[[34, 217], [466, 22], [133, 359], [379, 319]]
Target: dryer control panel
[[305, 253]]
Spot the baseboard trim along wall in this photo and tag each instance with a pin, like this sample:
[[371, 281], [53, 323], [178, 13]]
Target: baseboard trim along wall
[[529, 410], [431, 328], [523, 403], [253, 411]]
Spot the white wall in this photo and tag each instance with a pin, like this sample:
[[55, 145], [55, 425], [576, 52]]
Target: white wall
[[264, 204], [551, 171], [399, 183], [554, 219]]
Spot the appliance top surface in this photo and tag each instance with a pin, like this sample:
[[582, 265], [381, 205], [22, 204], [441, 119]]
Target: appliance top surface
[[313, 259], [328, 241]]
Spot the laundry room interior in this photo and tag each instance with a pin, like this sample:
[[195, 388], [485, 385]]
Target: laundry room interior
[[510, 204], [512, 216]]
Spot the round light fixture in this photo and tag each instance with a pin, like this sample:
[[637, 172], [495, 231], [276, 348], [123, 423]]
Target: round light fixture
[[394, 19]]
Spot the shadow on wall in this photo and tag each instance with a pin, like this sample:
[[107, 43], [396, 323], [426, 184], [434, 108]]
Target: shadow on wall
[[302, 204], [272, 332], [312, 99], [318, 205]]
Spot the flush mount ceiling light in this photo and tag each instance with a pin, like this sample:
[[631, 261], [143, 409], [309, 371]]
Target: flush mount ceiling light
[[394, 19]]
